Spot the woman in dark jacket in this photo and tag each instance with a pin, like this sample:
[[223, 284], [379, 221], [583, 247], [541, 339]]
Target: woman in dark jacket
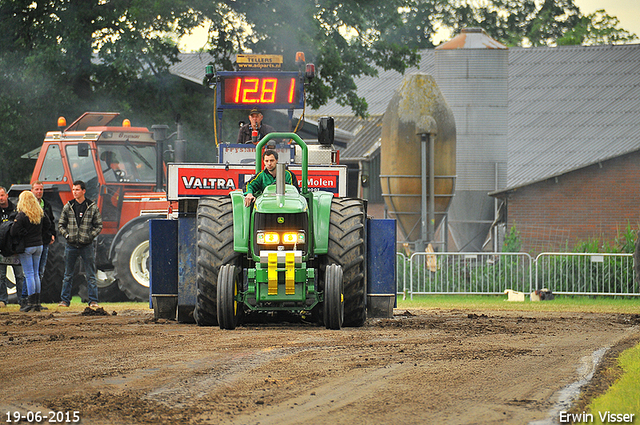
[[30, 224]]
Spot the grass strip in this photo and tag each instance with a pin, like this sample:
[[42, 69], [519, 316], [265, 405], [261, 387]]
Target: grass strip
[[623, 397], [561, 303]]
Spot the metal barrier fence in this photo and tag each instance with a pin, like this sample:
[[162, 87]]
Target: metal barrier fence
[[468, 273], [586, 274], [401, 275], [492, 273]]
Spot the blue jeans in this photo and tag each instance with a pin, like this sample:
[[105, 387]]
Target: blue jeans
[[43, 263], [30, 262], [71, 254], [43, 260]]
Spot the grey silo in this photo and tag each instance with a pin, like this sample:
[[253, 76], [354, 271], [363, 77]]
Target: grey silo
[[472, 72]]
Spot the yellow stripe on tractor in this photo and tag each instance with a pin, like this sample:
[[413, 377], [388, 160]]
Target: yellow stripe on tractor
[[273, 273], [290, 274]]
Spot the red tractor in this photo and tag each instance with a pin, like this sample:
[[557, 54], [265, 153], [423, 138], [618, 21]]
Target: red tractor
[[123, 170]]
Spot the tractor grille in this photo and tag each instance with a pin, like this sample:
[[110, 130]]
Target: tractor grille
[[281, 223]]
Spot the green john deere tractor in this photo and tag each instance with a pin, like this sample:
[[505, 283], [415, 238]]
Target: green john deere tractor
[[301, 253]]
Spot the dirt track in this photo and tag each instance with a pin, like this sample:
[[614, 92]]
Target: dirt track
[[438, 366]]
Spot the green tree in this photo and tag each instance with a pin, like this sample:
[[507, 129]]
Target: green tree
[[512, 241], [596, 28], [64, 57], [343, 39], [531, 23]]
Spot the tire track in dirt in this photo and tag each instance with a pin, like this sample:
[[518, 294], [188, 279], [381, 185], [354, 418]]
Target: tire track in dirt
[[212, 373], [322, 400]]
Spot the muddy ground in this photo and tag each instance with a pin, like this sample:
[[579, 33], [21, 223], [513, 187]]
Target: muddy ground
[[421, 366]]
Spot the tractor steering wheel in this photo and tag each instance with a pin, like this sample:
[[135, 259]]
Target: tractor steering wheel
[[120, 175]]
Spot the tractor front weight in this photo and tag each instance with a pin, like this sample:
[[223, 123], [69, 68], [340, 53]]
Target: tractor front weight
[[281, 281]]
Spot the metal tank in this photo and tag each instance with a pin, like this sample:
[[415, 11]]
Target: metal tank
[[472, 71], [417, 111]]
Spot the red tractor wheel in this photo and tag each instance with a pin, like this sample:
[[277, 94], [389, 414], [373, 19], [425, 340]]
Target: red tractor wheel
[[131, 262]]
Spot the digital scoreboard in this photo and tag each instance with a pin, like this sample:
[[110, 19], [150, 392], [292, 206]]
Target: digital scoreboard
[[259, 89]]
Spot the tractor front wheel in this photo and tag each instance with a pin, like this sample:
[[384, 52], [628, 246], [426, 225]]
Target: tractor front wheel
[[333, 297], [228, 309]]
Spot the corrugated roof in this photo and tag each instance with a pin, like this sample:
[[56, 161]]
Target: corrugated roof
[[191, 66], [569, 107], [366, 136]]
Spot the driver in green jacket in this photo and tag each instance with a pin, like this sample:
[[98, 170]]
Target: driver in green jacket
[[267, 177]]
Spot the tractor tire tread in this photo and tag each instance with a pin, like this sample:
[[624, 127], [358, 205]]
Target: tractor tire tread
[[214, 249], [347, 249]]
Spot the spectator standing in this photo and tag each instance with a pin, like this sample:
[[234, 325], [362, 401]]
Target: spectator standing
[[30, 224], [80, 223], [8, 212], [48, 238]]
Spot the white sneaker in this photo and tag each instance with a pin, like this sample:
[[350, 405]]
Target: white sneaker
[[2, 304]]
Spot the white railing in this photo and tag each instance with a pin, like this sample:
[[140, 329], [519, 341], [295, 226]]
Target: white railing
[[492, 273], [586, 273], [469, 273], [401, 275]]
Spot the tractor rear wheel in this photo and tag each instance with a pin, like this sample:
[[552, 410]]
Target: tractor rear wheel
[[228, 309], [333, 308], [51, 285], [131, 262], [347, 249], [108, 288], [214, 249]]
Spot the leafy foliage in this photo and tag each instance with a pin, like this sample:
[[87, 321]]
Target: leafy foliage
[[596, 28], [343, 39], [623, 243], [512, 241], [529, 23], [65, 57]]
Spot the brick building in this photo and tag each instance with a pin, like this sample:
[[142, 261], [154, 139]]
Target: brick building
[[595, 201]]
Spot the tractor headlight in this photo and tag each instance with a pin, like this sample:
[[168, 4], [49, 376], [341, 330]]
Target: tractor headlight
[[268, 238], [275, 238], [293, 237]]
